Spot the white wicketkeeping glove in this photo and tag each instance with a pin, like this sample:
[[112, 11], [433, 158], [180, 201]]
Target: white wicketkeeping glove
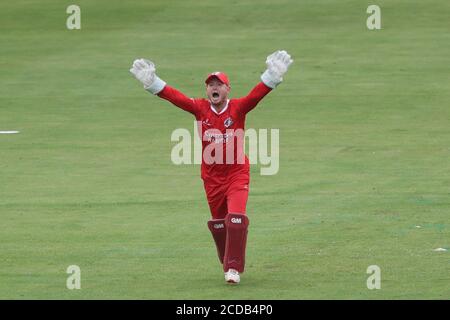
[[144, 71], [277, 65]]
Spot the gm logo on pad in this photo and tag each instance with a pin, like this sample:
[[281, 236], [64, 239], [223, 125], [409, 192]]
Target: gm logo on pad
[[219, 226], [236, 220]]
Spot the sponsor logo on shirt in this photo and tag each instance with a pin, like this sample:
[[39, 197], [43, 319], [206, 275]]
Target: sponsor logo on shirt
[[217, 137]]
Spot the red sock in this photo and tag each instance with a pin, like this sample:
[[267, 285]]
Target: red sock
[[219, 233], [236, 225]]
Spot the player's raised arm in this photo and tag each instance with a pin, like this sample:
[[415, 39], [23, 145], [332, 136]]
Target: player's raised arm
[[144, 71], [277, 65]]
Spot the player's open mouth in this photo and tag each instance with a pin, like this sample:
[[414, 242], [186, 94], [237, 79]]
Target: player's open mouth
[[215, 95]]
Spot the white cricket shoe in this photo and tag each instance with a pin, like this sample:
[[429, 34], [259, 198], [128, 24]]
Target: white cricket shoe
[[232, 276]]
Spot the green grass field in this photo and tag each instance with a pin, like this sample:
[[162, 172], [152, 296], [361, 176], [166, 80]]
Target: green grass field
[[364, 124]]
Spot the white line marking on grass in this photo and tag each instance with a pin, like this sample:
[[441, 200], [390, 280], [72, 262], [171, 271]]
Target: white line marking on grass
[[440, 250], [9, 132]]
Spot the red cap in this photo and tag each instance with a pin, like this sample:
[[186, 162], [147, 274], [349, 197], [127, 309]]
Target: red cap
[[219, 75]]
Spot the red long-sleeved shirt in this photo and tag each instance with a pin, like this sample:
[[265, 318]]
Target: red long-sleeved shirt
[[222, 134]]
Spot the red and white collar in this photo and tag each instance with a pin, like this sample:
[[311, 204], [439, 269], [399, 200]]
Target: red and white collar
[[222, 111]]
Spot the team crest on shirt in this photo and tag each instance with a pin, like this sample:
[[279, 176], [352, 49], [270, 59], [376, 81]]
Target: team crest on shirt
[[228, 122]]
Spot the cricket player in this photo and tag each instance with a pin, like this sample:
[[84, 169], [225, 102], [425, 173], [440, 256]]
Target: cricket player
[[225, 168]]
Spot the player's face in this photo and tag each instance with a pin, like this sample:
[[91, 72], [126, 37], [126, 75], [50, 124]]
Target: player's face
[[217, 91]]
